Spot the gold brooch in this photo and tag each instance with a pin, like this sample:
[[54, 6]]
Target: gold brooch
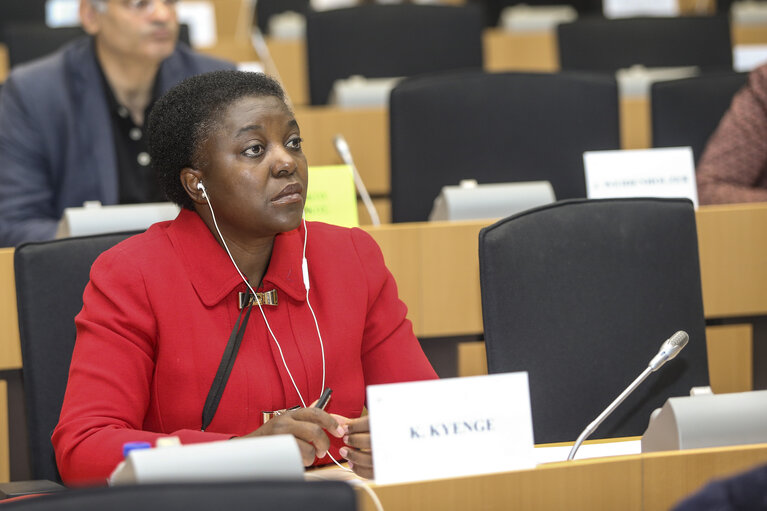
[[265, 298]]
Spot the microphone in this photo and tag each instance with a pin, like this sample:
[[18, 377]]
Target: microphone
[[668, 350], [346, 155]]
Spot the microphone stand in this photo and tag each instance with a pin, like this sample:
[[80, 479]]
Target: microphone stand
[[602, 416]]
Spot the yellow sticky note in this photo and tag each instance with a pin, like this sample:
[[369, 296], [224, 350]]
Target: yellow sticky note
[[332, 197]]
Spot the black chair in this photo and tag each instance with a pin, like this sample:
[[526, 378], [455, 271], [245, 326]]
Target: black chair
[[27, 42], [494, 128], [378, 41], [50, 279], [265, 9], [250, 496], [686, 112], [606, 45], [493, 8], [24, 11], [581, 294]]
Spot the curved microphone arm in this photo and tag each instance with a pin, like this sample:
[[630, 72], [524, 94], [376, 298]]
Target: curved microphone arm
[[602, 416], [668, 350]]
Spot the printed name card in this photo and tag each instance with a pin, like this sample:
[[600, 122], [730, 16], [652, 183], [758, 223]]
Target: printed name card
[[631, 8], [332, 197], [451, 427], [661, 172]]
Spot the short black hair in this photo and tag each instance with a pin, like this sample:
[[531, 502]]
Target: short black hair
[[185, 116]]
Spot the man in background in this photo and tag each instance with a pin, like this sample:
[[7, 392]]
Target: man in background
[[71, 123]]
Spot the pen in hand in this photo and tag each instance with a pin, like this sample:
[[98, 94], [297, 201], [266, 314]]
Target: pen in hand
[[324, 398]]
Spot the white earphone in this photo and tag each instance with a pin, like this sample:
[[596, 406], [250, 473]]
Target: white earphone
[[305, 274]]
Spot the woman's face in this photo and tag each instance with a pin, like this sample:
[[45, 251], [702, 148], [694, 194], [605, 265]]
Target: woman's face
[[254, 170]]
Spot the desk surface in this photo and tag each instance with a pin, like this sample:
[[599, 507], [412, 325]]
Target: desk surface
[[653, 481]]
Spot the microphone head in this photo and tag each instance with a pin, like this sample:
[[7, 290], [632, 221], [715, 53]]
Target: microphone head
[[675, 343], [669, 349]]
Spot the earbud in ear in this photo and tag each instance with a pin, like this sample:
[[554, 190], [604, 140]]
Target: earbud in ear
[[201, 187]]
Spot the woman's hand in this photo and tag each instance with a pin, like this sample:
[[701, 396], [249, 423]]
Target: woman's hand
[[308, 426], [357, 450]]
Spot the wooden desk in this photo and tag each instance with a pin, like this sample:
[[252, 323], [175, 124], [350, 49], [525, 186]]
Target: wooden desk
[[732, 245], [650, 482]]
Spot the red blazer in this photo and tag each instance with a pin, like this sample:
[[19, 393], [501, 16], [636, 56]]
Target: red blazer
[[157, 315]]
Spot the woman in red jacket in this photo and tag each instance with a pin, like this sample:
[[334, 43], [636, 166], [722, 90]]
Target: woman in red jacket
[[168, 311]]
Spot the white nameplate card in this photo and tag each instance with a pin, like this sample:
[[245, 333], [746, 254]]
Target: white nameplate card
[[246, 459], [632, 8], [200, 16], [661, 172], [452, 427]]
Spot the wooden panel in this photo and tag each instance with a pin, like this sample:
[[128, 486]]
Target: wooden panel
[[367, 132], [472, 359], [605, 484], [652, 481], [398, 243], [730, 358], [5, 465], [289, 55], [729, 354], [233, 19], [670, 476], [232, 50], [520, 51], [749, 34], [10, 350], [732, 247], [451, 301], [383, 207], [4, 64], [697, 7], [635, 123]]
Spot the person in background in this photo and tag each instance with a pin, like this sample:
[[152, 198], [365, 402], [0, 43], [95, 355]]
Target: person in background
[[164, 310], [733, 167], [72, 123]]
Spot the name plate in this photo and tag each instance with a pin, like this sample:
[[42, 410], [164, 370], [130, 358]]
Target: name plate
[[451, 427], [661, 172]]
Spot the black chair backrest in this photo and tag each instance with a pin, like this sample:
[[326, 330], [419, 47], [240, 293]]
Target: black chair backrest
[[606, 45], [50, 279], [378, 41], [246, 496], [686, 112], [28, 42], [493, 8], [21, 11], [265, 9], [496, 127], [581, 294]]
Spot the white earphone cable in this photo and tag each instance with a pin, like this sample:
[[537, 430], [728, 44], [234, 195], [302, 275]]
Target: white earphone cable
[[255, 297], [305, 271]]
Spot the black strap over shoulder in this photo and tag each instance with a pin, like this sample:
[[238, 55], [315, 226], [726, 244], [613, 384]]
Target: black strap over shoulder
[[225, 367]]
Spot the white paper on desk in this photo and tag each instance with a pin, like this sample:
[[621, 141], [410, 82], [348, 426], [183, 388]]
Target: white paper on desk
[[451, 427], [246, 459], [660, 172], [201, 18], [557, 453], [629, 8]]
